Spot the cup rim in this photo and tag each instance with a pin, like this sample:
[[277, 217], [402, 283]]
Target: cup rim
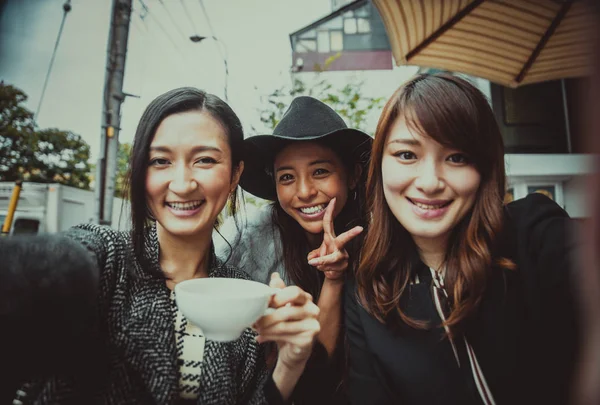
[[264, 290]]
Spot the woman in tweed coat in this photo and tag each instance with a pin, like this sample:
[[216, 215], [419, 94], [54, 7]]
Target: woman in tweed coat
[[185, 164]]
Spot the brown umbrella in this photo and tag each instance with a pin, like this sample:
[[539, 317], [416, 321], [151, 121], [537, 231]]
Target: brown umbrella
[[509, 42]]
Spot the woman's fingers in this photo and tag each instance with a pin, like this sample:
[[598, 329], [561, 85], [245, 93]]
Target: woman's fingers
[[287, 329], [298, 340], [276, 281], [323, 248], [337, 257], [347, 236], [319, 257], [313, 254], [291, 324], [292, 295], [287, 314], [328, 219]]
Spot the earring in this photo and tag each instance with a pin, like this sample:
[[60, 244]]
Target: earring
[[355, 194]]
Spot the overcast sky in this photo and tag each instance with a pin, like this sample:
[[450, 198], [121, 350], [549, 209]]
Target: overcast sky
[[160, 55]]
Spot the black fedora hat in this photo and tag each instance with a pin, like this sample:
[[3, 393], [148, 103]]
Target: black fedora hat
[[307, 119]]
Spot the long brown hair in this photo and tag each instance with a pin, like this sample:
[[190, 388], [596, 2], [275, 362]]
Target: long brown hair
[[454, 113]]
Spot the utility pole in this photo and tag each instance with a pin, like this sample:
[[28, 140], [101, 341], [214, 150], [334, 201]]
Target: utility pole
[[111, 109]]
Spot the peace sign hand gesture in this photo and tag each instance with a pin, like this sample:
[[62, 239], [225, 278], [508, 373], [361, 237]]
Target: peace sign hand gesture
[[331, 257]]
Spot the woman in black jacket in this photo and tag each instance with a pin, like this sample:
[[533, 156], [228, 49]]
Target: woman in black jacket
[[138, 348], [458, 299]]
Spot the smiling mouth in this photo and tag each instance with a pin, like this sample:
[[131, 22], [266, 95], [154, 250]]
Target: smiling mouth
[[184, 206], [435, 206], [315, 209]]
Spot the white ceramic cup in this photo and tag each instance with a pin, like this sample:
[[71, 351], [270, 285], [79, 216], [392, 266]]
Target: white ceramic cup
[[222, 307]]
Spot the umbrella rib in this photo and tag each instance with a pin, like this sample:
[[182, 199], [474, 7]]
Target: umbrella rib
[[545, 38], [445, 27]]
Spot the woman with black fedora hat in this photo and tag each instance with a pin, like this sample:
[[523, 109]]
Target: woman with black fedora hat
[[313, 169]]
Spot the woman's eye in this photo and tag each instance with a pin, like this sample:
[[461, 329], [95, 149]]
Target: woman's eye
[[405, 155], [320, 172], [458, 158], [286, 177], [159, 162], [206, 161]]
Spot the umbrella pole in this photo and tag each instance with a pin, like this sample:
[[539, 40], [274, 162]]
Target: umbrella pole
[[566, 110]]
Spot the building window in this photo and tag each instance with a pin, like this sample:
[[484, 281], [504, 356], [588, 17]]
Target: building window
[[355, 29], [529, 104], [363, 25], [531, 117], [24, 226], [350, 26], [337, 41], [323, 41]]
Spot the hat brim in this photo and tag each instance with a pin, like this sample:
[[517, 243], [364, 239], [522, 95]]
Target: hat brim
[[260, 151]]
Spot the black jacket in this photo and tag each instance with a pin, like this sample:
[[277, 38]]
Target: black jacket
[[524, 333]]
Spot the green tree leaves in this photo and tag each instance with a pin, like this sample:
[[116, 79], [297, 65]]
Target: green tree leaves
[[347, 101], [45, 156]]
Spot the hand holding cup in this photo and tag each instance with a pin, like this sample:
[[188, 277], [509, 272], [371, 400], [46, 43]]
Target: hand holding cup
[[293, 324]]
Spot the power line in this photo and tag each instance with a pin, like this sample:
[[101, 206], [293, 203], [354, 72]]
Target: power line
[[145, 8], [219, 45], [172, 19], [224, 57], [161, 28], [144, 32], [189, 16], [148, 33], [66, 9], [210, 28], [141, 27]]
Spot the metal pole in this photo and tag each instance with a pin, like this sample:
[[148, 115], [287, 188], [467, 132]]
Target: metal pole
[[111, 109], [12, 207], [566, 110]]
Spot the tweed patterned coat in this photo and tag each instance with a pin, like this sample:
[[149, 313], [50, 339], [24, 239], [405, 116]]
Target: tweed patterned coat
[[136, 358]]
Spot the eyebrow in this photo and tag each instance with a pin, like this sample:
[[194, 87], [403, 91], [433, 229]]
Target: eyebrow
[[410, 142], [315, 162], [195, 149]]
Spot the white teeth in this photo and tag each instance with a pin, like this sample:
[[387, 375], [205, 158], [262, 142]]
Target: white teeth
[[313, 210], [428, 207], [185, 205]]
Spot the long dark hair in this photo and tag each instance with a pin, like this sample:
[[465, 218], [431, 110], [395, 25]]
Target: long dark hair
[[176, 101], [455, 114], [294, 242]]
